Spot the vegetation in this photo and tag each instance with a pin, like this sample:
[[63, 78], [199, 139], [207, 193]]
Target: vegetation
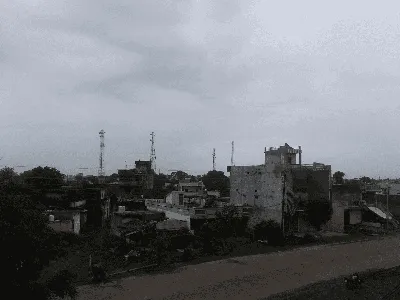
[[28, 244], [269, 230], [216, 181], [318, 212], [338, 177]]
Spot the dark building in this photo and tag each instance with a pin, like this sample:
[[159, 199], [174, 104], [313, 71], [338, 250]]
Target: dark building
[[138, 181]]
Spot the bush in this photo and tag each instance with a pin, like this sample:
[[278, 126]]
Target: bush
[[269, 230]]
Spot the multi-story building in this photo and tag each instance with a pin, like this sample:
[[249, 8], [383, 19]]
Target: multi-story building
[[277, 186], [137, 181], [188, 193]]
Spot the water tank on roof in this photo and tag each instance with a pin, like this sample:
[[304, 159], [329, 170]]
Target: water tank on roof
[[121, 209], [51, 218]]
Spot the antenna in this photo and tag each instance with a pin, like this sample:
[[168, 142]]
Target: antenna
[[153, 152], [214, 159], [101, 159], [233, 151]]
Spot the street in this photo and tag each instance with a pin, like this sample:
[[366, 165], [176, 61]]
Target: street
[[253, 277]]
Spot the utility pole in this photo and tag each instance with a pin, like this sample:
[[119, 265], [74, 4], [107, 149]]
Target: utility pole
[[153, 153], [387, 207], [101, 159], [233, 151], [213, 155], [283, 202]]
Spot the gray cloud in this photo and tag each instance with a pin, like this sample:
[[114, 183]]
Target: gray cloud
[[200, 74]]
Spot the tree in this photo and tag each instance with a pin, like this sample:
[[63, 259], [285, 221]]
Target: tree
[[112, 178], [7, 176], [43, 178], [269, 230], [318, 212], [217, 181], [28, 245], [338, 177]]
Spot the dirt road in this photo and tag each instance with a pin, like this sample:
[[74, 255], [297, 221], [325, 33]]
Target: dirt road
[[253, 277]]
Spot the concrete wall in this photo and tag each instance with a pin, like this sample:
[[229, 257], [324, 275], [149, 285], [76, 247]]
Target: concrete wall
[[176, 215], [341, 199], [68, 221], [259, 186], [62, 225], [173, 198]]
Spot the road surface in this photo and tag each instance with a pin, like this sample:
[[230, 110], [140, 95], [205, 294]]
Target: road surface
[[253, 277]]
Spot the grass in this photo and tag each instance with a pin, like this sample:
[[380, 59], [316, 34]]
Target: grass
[[377, 284]]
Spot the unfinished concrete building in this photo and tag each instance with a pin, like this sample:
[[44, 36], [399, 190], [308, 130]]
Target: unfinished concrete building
[[277, 186]]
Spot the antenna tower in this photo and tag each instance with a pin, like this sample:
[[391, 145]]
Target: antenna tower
[[214, 159], [233, 151], [153, 152], [101, 159]]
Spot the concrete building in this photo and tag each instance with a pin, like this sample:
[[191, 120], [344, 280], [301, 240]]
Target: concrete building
[[67, 220], [136, 181], [188, 193], [280, 184]]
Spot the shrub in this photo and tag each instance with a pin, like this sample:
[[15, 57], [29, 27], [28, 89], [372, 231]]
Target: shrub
[[269, 230]]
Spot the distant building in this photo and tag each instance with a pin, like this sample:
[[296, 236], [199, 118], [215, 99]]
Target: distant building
[[67, 220], [188, 193], [137, 181]]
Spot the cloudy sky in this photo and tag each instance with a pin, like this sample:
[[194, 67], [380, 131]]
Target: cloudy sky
[[200, 74]]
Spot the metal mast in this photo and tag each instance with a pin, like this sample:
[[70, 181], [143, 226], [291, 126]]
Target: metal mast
[[153, 152], [101, 159], [233, 151], [214, 159]]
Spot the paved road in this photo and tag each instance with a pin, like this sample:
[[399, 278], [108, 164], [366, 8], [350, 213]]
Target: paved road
[[254, 277]]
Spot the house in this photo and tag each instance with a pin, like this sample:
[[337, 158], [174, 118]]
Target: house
[[67, 220], [188, 194], [137, 181], [124, 222]]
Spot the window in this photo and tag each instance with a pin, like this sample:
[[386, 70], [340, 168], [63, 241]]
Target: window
[[256, 197]]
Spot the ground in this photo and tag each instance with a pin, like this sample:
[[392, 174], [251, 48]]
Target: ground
[[77, 259], [253, 277], [380, 284]]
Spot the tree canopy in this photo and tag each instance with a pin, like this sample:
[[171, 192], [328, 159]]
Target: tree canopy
[[217, 181], [318, 211], [338, 177], [42, 178], [27, 246]]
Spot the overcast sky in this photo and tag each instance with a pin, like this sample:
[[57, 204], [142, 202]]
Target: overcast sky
[[200, 74]]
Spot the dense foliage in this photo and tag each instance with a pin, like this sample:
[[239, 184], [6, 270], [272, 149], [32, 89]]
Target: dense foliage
[[318, 212], [269, 230], [28, 244]]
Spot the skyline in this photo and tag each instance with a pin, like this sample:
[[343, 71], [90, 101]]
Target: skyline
[[199, 74]]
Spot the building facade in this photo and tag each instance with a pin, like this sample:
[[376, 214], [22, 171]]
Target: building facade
[[277, 186], [188, 193]]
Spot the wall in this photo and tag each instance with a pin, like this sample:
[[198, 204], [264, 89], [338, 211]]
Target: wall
[[62, 226], [176, 215], [259, 186], [342, 197], [394, 204]]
